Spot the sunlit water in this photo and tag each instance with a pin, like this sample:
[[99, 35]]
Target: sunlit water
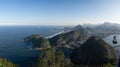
[[12, 44]]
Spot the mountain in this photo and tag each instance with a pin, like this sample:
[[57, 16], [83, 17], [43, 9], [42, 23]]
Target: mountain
[[71, 38], [80, 44], [94, 51], [67, 38]]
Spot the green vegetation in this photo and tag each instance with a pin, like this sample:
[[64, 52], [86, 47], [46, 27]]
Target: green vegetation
[[6, 63], [53, 58], [94, 51], [105, 65], [108, 65]]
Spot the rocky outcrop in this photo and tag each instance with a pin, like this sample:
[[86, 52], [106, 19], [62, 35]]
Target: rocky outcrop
[[38, 41]]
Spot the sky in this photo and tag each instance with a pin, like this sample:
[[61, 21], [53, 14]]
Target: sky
[[58, 12]]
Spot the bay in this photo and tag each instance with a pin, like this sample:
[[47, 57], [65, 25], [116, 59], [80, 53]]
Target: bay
[[13, 47]]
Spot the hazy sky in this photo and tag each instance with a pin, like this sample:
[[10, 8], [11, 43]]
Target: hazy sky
[[58, 12]]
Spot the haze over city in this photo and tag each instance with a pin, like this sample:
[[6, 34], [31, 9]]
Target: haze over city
[[58, 12]]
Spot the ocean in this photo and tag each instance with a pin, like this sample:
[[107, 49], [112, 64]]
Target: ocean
[[13, 47]]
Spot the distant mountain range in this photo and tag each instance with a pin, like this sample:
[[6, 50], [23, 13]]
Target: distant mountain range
[[70, 39], [74, 36]]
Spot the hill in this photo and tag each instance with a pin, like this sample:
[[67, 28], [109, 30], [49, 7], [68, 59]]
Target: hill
[[94, 51]]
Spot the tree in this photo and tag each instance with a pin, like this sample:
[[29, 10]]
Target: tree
[[6, 63], [53, 58]]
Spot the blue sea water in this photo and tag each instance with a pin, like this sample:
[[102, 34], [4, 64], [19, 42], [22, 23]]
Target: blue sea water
[[12, 44]]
